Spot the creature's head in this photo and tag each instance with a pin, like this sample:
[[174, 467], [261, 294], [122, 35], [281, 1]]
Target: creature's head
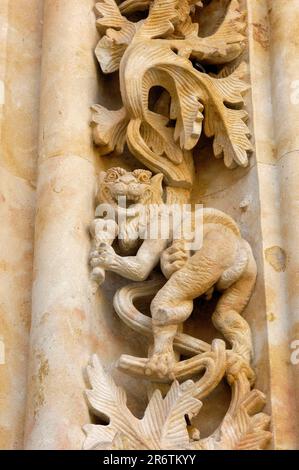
[[137, 187]]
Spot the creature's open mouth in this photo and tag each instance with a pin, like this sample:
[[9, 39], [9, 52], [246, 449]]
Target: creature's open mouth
[[126, 199]]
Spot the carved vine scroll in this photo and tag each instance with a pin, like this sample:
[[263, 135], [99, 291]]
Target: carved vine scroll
[[162, 48]]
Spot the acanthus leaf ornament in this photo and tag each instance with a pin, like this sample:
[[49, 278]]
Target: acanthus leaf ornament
[[158, 51], [164, 426]]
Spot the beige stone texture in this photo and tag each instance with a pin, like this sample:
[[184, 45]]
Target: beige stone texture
[[52, 316], [20, 54]]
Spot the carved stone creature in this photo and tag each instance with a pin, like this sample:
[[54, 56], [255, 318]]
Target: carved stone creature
[[164, 47], [224, 262]]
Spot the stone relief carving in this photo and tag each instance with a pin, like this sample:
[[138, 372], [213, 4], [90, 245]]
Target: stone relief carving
[[224, 262], [163, 426], [161, 50]]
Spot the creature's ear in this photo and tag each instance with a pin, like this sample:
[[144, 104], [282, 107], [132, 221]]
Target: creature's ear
[[157, 187]]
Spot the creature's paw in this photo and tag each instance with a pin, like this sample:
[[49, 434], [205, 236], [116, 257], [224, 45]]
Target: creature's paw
[[162, 365], [174, 258], [105, 257], [236, 365]]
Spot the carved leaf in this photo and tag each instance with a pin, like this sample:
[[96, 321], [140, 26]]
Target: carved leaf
[[109, 402], [187, 111], [227, 43], [109, 54], [162, 427], [246, 433], [189, 90], [175, 174], [130, 6], [243, 429], [165, 16], [119, 34], [223, 122], [153, 137], [109, 129], [164, 423], [184, 27], [159, 138], [160, 21], [110, 17]]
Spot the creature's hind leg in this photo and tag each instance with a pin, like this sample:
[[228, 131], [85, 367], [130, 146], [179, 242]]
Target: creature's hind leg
[[173, 304], [227, 317]]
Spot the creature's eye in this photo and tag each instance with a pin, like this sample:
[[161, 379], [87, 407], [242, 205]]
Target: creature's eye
[[143, 176], [112, 175]]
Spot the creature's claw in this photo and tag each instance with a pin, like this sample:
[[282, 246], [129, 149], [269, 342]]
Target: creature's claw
[[104, 257], [162, 365], [236, 365]]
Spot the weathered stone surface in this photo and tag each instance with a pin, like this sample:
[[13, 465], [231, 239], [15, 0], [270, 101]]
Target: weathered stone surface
[[49, 80]]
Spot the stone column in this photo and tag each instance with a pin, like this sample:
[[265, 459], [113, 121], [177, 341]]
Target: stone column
[[285, 94], [20, 47], [272, 32], [60, 346]]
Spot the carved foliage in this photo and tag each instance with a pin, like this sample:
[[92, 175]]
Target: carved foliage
[[164, 426], [158, 51]]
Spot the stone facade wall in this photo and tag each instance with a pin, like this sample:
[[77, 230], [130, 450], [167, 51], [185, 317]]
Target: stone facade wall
[[49, 309]]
